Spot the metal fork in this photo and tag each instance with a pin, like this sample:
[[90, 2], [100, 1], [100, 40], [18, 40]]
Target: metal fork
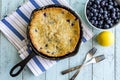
[[87, 57], [93, 60]]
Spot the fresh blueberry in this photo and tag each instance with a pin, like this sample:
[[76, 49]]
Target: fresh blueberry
[[98, 18], [105, 8], [98, 6], [101, 11], [115, 3], [118, 15], [94, 18], [110, 7], [99, 27], [97, 2], [108, 21], [103, 3], [102, 17], [92, 21], [109, 15], [106, 26], [99, 15], [89, 3], [110, 3], [113, 10], [92, 9], [110, 24], [100, 23], [116, 21], [106, 4], [87, 11], [96, 22], [91, 14], [89, 17], [117, 10], [105, 16], [112, 21], [94, 6], [95, 14], [114, 16]]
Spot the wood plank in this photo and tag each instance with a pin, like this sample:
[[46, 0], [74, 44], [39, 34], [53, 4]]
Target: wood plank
[[8, 52], [85, 73], [105, 69], [117, 56]]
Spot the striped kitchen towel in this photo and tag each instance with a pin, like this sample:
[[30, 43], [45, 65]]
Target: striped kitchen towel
[[14, 27]]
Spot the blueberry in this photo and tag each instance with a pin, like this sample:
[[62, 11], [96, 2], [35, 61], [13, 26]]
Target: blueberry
[[92, 9], [101, 11], [109, 15], [96, 22], [94, 6], [92, 0], [113, 10], [118, 15], [111, 3], [110, 7], [110, 24], [106, 26], [115, 3], [105, 9], [99, 15], [95, 14], [87, 11], [113, 16], [112, 21], [106, 4], [97, 2], [91, 14], [89, 3], [108, 21], [89, 17], [103, 3], [105, 16], [94, 18], [98, 18], [99, 27], [92, 21], [117, 10], [116, 21], [102, 17], [98, 6], [100, 23]]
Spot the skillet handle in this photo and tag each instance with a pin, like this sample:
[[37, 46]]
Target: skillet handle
[[21, 65]]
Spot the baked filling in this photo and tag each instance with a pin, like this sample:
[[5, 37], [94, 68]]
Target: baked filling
[[54, 31]]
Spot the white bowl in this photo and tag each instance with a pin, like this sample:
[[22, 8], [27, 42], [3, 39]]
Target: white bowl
[[92, 24]]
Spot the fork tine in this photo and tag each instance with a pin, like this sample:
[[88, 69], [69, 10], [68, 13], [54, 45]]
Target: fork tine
[[92, 51], [99, 58]]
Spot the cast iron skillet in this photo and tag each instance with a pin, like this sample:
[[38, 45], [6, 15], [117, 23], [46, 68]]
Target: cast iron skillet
[[34, 52]]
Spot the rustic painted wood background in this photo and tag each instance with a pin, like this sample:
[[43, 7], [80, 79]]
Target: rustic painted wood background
[[109, 69]]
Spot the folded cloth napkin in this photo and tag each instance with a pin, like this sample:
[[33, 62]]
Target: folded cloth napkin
[[14, 28]]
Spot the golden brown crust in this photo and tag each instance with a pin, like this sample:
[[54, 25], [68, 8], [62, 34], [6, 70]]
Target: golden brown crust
[[54, 31]]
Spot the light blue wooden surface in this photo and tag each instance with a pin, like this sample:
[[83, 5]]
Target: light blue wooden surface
[[109, 69]]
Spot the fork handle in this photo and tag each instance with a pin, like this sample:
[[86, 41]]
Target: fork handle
[[70, 69], [74, 76]]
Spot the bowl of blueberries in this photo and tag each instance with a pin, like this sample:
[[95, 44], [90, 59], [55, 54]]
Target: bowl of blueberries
[[102, 14]]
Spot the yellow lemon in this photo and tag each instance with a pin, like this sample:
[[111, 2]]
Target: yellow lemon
[[105, 38]]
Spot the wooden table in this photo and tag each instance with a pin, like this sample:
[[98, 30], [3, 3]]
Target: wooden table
[[106, 70]]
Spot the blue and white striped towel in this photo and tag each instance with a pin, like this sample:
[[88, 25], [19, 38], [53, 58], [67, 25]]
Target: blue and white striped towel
[[14, 27]]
